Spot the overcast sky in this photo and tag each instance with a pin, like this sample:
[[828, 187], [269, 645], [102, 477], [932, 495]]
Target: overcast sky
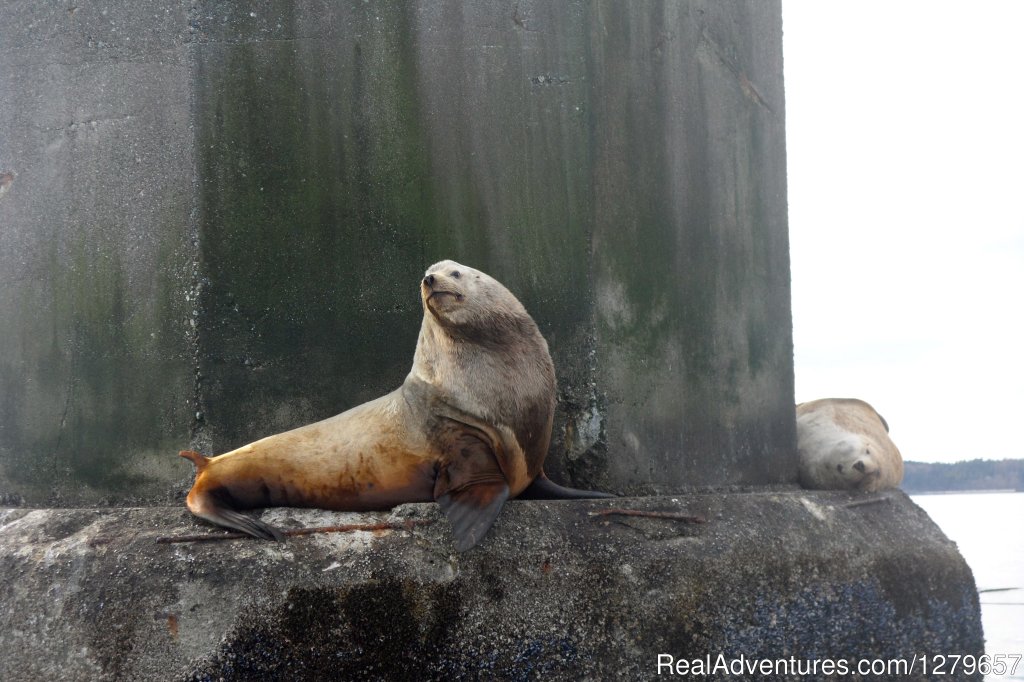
[[905, 136]]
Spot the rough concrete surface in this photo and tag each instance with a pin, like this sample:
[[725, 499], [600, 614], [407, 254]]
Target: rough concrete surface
[[552, 593], [96, 250]]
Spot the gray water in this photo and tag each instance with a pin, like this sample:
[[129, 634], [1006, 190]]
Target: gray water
[[988, 528]]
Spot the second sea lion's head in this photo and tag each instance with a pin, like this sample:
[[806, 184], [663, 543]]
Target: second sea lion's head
[[853, 462], [844, 444], [471, 303]]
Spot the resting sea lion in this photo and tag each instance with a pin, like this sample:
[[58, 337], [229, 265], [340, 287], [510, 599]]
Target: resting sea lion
[[844, 444], [469, 427]]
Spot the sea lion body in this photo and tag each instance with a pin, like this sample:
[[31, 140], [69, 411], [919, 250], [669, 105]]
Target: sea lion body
[[362, 459], [470, 426], [844, 444]]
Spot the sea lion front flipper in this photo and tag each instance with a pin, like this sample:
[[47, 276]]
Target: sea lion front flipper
[[472, 511], [543, 488], [470, 487]]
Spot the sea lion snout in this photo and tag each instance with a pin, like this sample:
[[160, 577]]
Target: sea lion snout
[[441, 289], [442, 280], [438, 284], [854, 459]]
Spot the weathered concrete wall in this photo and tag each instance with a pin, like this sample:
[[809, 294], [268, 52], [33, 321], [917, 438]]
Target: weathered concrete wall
[[620, 167], [96, 250], [296, 165], [552, 593]]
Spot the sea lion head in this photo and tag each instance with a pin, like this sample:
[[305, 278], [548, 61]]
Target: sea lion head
[[853, 462], [844, 444], [471, 304]]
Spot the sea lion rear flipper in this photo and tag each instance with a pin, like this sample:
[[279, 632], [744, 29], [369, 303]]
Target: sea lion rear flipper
[[206, 506], [543, 488], [208, 502], [470, 486], [224, 516]]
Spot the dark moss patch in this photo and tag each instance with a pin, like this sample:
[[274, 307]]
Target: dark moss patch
[[382, 630], [315, 195]]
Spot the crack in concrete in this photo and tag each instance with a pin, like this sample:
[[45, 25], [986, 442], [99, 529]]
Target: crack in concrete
[[709, 47], [75, 125]]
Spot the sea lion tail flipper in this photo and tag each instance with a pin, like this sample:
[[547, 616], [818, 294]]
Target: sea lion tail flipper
[[543, 488], [199, 460], [472, 511]]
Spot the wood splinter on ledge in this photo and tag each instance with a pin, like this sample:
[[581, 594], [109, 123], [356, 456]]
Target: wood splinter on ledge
[[862, 503], [408, 524], [674, 516]]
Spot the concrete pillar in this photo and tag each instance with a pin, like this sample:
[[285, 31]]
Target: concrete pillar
[[98, 251], [220, 215]]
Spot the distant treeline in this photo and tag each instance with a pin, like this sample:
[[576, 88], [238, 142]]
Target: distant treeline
[[977, 474]]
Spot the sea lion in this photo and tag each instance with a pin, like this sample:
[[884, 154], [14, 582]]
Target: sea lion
[[844, 444], [469, 427]]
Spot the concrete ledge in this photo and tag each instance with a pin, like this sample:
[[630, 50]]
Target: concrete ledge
[[552, 593]]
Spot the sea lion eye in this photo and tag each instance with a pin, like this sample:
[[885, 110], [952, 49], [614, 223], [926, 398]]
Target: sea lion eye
[[456, 274]]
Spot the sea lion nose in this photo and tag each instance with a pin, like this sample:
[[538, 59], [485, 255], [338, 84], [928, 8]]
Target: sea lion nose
[[859, 466], [429, 280]]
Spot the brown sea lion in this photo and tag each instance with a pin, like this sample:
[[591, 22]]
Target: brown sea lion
[[469, 427], [843, 443]]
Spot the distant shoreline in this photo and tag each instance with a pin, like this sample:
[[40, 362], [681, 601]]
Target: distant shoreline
[[982, 491], [973, 476]]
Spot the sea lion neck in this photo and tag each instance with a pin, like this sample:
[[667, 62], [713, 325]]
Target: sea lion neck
[[433, 345]]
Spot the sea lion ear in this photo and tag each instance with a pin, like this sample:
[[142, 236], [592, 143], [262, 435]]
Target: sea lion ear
[[470, 487]]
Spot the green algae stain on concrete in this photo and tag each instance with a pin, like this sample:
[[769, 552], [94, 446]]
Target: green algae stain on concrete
[[117, 362], [335, 171], [690, 327], [130, 377], [605, 178], [602, 160], [314, 200]]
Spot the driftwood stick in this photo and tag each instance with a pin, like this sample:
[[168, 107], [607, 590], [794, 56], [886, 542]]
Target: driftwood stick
[[675, 516], [864, 503], [408, 524]]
